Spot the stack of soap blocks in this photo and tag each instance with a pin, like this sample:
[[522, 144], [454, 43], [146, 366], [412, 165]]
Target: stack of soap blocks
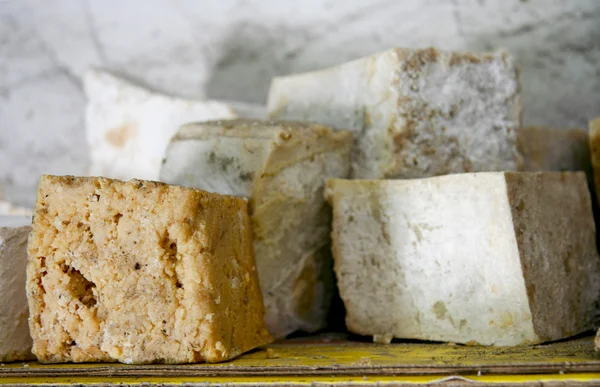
[[439, 234], [405, 178]]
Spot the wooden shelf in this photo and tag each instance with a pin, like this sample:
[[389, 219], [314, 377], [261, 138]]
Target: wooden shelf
[[337, 359]]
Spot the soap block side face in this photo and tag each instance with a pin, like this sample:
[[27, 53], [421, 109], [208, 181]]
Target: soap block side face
[[555, 233], [129, 127], [292, 225], [140, 272], [370, 280], [208, 160], [281, 166], [456, 112], [594, 141], [547, 149], [403, 274], [15, 342], [238, 323]]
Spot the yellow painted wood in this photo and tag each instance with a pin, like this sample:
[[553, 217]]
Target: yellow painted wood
[[308, 380], [341, 362], [303, 354]]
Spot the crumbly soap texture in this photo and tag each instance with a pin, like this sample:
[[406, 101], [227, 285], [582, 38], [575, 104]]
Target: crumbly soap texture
[[141, 272]]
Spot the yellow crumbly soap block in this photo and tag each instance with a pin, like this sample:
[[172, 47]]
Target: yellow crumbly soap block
[[141, 272]]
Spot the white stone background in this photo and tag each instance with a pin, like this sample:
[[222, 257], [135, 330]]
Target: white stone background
[[231, 48]]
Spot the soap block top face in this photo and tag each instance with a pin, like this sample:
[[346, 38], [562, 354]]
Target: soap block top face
[[141, 272], [415, 112]]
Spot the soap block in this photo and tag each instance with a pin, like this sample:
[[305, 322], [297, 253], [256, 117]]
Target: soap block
[[497, 258], [281, 167], [15, 341], [415, 112], [594, 142], [141, 272], [128, 127], [7, 209], [549, 149]]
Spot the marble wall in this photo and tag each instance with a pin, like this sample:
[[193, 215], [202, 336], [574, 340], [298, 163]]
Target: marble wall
[[229, 49]]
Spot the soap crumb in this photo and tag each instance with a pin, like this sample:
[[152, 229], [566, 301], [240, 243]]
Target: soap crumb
[[271, 354]]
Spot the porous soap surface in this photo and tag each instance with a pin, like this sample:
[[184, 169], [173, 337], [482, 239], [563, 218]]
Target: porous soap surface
[[141, 272]]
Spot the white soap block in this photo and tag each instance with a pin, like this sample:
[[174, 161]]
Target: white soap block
[[414, 112], [490, 258], [281, 167], [129, 127], [15, 340], [7, 209]]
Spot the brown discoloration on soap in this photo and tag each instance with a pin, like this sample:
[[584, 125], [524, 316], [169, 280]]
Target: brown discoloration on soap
[[460, 58], [141, 272], [119, 136], [440, 310], [417, 59], [538, 200]]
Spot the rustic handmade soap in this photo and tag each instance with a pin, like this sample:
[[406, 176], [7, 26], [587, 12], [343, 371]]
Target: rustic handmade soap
[[141, 272]]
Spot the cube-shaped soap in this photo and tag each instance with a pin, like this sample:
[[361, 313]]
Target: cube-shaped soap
[[141, 272], [281, 167], [491, 258], [128, 127], [15, 341], [415, 112]]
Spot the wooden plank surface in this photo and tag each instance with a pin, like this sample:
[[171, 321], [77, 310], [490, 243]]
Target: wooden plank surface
[[337, 358]]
